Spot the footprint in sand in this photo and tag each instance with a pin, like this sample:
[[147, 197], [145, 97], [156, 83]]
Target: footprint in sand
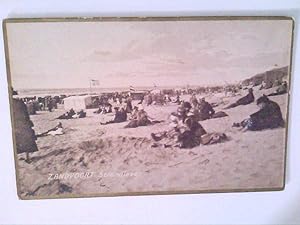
[[192, 153], [204, 162]]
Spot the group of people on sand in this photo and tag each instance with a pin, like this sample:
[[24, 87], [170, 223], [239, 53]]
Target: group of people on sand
[[138, 117], [203, 110], [268, 116], [71, 114], [185, 130], [35, 104]]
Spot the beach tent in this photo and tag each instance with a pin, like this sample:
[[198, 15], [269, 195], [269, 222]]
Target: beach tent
[[137, 95], [155, 91], [78, 102]]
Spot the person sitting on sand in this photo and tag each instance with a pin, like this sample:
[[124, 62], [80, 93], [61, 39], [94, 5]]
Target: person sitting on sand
[[187, 106], [57, 130], [249, 98], [196, 134], [268, 117], [80, 114], [108, 108], [67, 115], [194, 100], [177, 100], [120, 116], [184, 135], [142, 99], [191, 137], [176, 127], [182, 112], [282, 89], [99, 110], [103, 109], [141, 119], [134, 113], [206, 111]]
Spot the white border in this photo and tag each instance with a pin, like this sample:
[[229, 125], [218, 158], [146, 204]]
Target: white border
[[231, 208]]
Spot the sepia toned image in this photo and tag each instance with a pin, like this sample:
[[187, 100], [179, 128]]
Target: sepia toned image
[[130, 106]]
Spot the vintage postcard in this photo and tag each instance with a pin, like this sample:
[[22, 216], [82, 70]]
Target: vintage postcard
[[138, 106]]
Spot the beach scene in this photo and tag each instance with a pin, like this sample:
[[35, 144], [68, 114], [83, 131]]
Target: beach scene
[[149, 107]]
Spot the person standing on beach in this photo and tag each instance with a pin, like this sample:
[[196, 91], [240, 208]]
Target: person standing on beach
[[50, 104], [24, 134], [129, 104]]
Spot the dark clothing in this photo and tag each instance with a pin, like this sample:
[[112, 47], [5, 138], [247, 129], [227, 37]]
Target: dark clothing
[[268, 117], [23, 132], [194, 101], [197, 129], [187, 106], [205, 111], [120, 116], [280, 91], [191, 137], [81, 114], [129, 107], [219, 114], [141, 120], [213, 138], [177, 100], [67, 115], [249, 98], [50, 105], [188, 140]]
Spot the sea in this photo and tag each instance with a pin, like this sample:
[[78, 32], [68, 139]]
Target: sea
[[79, 91]]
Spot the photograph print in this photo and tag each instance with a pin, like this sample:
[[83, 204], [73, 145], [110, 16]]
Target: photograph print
[[139, 106]]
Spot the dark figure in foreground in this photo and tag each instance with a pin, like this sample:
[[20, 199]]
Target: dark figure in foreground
[[24, 134], [191, 137], [268, 117], [120, 116], [282, 89], [249, 98]]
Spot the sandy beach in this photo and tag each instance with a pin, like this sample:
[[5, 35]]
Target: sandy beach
[[92, 159]]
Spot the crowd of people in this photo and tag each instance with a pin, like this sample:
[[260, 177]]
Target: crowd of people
[[185, 130], [47, 103]]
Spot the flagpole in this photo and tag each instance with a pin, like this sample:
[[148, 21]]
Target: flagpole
[[90, 86]]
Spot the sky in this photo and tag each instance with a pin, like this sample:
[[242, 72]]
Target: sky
[[162, 53]]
